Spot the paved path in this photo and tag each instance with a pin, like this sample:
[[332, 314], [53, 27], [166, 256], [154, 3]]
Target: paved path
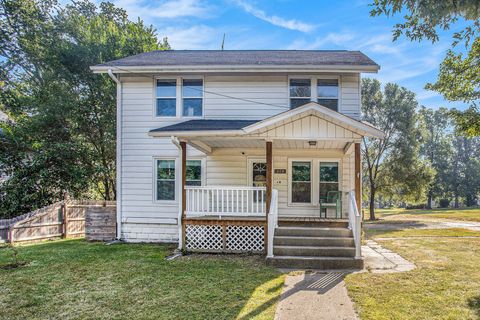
[[381, 260], [323, 296], [315, 295]]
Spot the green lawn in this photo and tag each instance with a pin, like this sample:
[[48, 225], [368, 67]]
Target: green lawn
[[467, 214], [74, 279], [445, 284]]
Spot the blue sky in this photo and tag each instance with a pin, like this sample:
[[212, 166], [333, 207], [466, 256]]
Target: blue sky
[[294, 24]]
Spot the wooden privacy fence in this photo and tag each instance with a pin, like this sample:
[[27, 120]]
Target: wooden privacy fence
[[63, 219]]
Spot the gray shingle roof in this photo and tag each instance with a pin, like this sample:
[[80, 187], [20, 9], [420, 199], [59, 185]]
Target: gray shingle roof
[[243, 57], [204, 124]]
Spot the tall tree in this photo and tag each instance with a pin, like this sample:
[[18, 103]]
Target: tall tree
[[464, 176], [459, 78], [436, 147], [392, 163], [63, 134]]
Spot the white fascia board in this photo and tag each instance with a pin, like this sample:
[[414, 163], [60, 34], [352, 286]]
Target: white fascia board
[[237, 68]]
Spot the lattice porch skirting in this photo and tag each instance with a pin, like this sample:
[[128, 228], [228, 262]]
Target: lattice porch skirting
[[225, 236]]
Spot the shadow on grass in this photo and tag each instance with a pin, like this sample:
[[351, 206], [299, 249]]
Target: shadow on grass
[[474, 304]]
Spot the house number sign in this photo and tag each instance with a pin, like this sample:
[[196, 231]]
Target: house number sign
[[280, 171]]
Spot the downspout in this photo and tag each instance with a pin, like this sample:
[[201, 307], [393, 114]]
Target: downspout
[[176, 142], [118, 196]]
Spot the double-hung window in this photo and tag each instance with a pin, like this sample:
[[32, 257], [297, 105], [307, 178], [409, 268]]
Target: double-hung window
[[194, 173], [328, 178], [192, 97], [301, 182], [300, 92], [327, 93], [165, 179], [166, 98]]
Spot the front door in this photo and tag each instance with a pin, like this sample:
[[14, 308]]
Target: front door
[[257, 175]]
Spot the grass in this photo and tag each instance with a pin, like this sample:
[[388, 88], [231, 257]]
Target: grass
[[74, 279], [445, 284], [463, 214], [409, 233]]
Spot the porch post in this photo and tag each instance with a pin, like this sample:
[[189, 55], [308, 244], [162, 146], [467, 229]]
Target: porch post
[[269, 175], [358, 185], [268, 151], [183, 145]]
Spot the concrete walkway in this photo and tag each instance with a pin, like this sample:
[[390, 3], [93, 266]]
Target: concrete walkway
[[323, 296], [315, 295], [381, 260]]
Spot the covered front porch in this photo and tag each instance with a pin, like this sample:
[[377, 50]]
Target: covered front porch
[[299, 167]]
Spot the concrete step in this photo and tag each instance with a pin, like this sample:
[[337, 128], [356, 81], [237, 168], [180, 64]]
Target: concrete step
[[323, 263], [313, 232], [313, 241], [314, 251]]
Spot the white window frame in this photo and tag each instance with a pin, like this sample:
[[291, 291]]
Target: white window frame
[[313, 87], [288, 88], [155, 186], [203, 178], [314, 179], [156, 97], [179, 96], [339, 182], [290, 181], [186, 97]]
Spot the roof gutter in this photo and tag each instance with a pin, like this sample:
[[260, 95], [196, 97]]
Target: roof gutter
[[118, 196], [233, 68]]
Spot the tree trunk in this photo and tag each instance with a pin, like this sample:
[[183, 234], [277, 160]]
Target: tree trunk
[[429, 201], [372, 203], [456, 205]]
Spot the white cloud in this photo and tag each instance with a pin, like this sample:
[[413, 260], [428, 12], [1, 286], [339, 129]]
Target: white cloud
[[151, 10], [290, 24], [195, 37]]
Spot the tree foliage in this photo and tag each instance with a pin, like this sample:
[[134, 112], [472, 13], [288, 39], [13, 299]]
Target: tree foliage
[[459, 78], [62, 137], [392, 165]]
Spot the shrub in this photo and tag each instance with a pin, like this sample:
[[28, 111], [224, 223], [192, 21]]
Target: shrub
[[444, 203], [416, 206]]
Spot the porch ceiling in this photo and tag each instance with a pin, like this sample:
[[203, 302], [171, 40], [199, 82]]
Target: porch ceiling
[[277, 143]]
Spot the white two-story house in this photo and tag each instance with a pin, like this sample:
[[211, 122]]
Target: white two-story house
[[248, 150]]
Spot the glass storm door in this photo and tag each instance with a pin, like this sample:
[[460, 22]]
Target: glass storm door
[[259, 177]]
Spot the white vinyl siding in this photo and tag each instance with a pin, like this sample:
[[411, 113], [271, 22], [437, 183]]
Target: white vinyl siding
[[144, 218]]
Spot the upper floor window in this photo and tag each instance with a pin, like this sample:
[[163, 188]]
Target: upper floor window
[[327, 93], [300, 92], [166, 98], [192, 97]]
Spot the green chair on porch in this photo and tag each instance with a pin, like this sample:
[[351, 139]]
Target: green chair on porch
[[332, 200]]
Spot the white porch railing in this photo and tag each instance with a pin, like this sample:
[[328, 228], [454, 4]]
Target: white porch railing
[[272, 222], [355, 224], [225, 201]]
